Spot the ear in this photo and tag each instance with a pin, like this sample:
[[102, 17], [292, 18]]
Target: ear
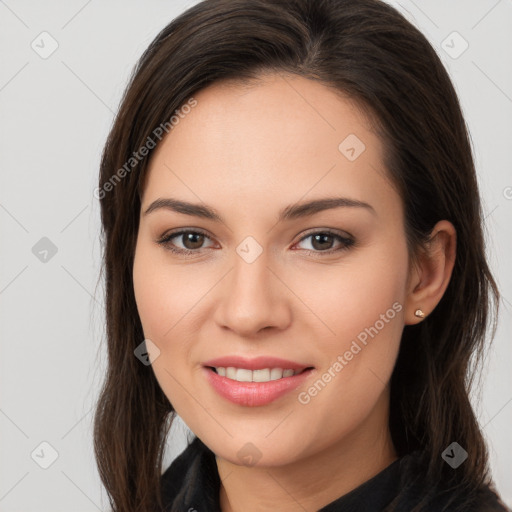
[[430, 274]]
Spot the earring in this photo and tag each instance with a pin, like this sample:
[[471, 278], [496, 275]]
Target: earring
[[419, 313]]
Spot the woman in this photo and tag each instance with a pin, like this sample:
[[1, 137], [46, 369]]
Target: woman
[[294, 254]]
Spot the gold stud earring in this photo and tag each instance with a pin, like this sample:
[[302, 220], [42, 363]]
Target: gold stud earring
[[419, 313]]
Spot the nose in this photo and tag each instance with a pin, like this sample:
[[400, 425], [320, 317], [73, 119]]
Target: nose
[[253, 298]]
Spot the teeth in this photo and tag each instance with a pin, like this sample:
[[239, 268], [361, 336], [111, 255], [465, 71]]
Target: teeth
[[276, 373], [263, 375]]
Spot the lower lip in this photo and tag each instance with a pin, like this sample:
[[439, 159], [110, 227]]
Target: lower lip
[[253, 394]]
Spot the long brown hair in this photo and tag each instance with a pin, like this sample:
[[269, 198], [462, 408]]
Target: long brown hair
[[367, 50]]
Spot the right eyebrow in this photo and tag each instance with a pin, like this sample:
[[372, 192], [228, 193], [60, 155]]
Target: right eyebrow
[[184, 207]]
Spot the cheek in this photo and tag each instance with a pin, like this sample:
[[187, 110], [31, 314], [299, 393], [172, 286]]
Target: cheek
[[162, 296], [160, 307], [147, 293], [353, 296]]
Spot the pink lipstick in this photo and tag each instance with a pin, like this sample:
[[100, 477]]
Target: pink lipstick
[[254, 382]]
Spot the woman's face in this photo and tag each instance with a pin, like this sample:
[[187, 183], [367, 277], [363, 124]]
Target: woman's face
[[267, 276]]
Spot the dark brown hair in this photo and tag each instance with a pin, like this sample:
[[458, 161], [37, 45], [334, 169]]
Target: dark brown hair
[[366, 50]]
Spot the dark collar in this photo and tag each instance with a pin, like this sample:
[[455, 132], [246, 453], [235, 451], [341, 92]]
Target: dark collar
[[192, 483]]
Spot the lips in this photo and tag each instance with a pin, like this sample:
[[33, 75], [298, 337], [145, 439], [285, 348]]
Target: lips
[[252, 394]]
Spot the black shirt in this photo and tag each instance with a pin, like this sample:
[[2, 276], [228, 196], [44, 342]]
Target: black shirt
[[192, 483]]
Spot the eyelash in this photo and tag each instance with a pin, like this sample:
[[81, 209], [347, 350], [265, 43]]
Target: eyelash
[[166, 239]]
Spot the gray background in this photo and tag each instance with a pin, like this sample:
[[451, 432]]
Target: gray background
[[55, 116]]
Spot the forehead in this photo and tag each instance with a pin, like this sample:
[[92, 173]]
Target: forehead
[[281, 136]]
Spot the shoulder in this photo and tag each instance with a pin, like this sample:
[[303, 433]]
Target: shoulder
[[488, 500], [484, 499], [418, 494]]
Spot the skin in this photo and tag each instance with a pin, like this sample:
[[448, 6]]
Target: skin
[[248, 151]]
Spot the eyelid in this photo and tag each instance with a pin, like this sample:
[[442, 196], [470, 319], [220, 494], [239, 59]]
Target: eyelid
[[167, 236], [347, 239], [326, 231]]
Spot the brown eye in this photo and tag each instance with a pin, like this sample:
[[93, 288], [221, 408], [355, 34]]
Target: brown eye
[[322, 241], [192, 240], [185, 242], [325, 242]]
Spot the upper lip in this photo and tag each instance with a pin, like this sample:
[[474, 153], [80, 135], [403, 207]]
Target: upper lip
[[257, 363]]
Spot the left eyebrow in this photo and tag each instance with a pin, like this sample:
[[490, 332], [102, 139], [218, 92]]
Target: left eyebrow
[[291, 212], [310, 208]]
